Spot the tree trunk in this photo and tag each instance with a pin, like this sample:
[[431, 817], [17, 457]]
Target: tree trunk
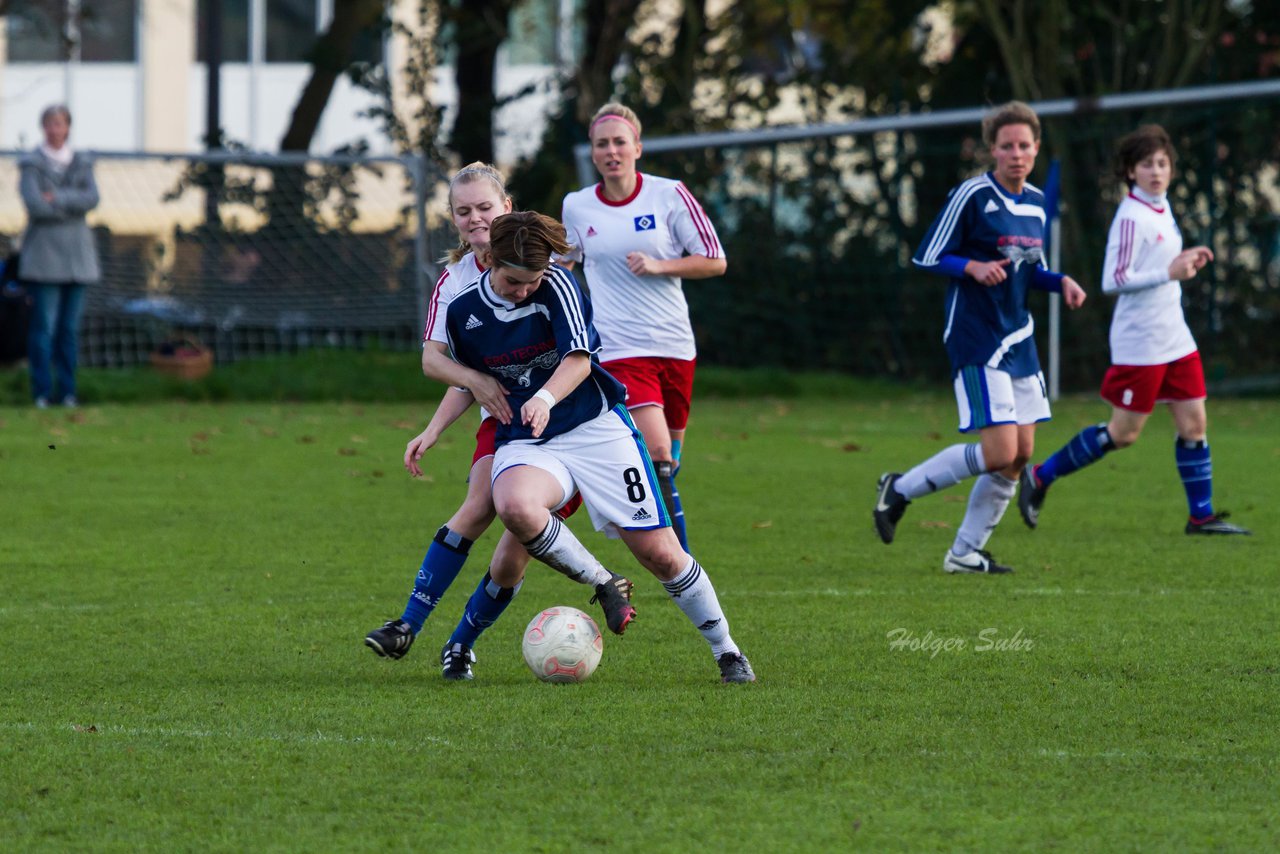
[[482, 27], [607, 24]]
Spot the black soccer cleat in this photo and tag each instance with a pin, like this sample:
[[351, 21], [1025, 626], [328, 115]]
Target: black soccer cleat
[[890, 505], [1030, 496], [979, 561], [734, 667], [392, 640], [1215, 524], [455, 662], [614, 597]]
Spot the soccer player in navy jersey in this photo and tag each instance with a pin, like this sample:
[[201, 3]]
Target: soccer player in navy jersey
[[1153, 356], [526, 323], [989, 242], [477, 194]]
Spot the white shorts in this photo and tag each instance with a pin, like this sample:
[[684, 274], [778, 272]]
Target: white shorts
[[986, 397], [605, 459]]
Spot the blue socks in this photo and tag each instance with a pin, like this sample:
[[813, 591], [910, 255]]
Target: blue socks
[[666, 473], [1196, 470], [483, 610], [1086, 447], [445, 557]]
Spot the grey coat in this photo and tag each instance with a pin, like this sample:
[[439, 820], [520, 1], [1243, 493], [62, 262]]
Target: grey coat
[[58, 246]]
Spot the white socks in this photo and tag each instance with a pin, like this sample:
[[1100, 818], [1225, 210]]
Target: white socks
[[559, 549], [945, 468], [691, 590], [987, 502]]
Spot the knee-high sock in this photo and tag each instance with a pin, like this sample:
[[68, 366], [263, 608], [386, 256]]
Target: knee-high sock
[[559, 549], [1084, 448], [987, 502], [483, 610], [945, 468], [693, 593], [1195, 467], [444, 558], [666, 472]]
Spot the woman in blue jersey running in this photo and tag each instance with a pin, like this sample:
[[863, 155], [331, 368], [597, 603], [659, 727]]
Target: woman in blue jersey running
[[526, 323], [989, 242]]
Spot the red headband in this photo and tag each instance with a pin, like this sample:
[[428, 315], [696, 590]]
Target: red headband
[[606, 117]]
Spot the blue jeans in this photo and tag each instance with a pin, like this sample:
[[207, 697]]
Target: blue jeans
[[55, 318]]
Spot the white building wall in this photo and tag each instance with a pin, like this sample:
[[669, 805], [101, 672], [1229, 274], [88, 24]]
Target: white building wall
[[158, 103]]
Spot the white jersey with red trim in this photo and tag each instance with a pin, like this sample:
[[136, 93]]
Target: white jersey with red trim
[[1148, 326], [455, 277], [639, 315]]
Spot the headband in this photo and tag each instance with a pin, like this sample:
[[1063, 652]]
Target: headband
[[606, 117], [519, 267]]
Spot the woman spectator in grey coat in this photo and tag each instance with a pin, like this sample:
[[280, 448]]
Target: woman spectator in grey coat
[[58, 254]]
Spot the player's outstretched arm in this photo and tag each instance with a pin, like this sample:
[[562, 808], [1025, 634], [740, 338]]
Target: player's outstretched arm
[[452, 405], [440, 366], [1072, 294]]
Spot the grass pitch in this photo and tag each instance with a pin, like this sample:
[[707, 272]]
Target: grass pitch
[[184, 589]]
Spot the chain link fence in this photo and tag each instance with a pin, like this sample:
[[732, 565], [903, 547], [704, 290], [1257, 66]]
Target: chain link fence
[[820, 223], [253, 254]]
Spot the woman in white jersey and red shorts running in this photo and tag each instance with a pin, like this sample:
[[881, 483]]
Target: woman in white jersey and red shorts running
[[477, 194], [1154, 359], [638, 237]]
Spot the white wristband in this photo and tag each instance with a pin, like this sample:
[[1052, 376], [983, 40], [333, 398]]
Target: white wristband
[[546, 396]]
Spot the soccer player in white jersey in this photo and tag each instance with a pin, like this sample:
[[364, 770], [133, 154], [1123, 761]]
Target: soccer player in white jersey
[[477, 194], [989, 242], [1153, 356], [639, 236], [526, 323]]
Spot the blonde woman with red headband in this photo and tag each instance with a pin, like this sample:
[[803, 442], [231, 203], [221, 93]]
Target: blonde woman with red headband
[[639, 237]]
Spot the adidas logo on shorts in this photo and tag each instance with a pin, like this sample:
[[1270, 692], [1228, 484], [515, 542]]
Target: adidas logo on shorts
[[473, 322], [642, 515]]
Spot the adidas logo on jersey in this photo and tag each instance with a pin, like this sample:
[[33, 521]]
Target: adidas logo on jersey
[[642, 515], [991, 207], [591, 231], [473, 322]]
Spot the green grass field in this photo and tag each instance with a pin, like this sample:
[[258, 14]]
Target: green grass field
[[184, 588]]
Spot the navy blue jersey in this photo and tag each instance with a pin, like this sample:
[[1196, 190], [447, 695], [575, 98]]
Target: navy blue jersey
[[522, 345], [984, 222]]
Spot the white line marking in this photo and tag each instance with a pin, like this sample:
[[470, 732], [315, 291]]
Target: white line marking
[[316, 737]]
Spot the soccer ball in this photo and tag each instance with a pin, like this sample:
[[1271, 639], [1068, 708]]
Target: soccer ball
[[562, 644]]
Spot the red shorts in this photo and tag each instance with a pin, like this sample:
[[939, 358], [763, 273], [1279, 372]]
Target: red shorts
[[1138, 388], [486, 446], [653, 381]]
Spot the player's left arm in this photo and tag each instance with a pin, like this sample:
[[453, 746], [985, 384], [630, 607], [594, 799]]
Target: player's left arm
[[688, 267], [575, 342], [1072, 294], [568, 375], [693, 233]]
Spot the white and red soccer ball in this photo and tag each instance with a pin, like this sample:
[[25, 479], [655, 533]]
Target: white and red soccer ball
[[562, 644]]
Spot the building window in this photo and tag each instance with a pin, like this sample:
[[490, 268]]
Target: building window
[[291, 30], [108, 31], [35, 31], [235, 30], [103, 31], [532, 35]]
